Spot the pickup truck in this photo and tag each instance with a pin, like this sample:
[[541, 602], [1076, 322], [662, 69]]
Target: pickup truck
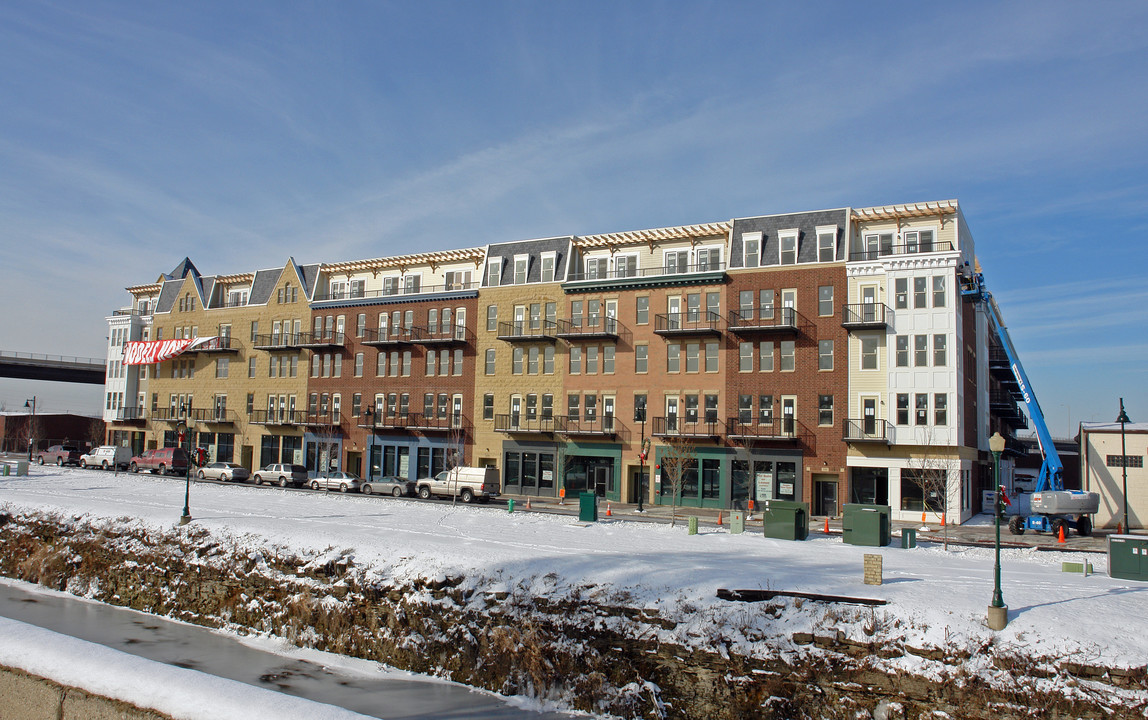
[[59, 455], [467, 483]]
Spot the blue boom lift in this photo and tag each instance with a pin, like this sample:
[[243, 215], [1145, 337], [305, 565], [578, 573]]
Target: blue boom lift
[[1052, 508]]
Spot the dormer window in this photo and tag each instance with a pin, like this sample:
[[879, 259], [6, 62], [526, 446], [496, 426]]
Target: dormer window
[[596, 268], [826, 244], [751, 249], [521, 266], [548, 262], [788, 247], [494, 272]]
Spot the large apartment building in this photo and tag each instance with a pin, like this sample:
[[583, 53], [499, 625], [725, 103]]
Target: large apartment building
[[821, 356]]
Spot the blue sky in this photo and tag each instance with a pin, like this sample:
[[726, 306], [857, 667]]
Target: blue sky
[[240, 134]]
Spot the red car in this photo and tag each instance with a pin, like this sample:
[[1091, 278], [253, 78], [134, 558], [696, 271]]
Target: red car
[[60, 455], [163, 461]]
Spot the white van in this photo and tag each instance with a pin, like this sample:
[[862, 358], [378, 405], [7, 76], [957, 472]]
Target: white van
[[467, 483], [107, 457]]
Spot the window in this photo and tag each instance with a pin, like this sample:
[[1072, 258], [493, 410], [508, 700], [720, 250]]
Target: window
[[251, 367], [920, 293], [337, 371], [641, 358], [576, 313], [457, 361], [532, 407], [548, 266], [677, 261], [824, 354], [516, 361], [521, 265], [394, 363], [596, 268], [494, 272], [575, 360], [788, 362], [824, 409], [673, 357], [1124, 461], [457, 280], [625, 266], [642, 309], [940, 409], [490, 361], [766, 356], [411, 284], [825, 300], [428, 405], [221, 367], [535, 316], [788, 247], [711, 408], [692, 350], [590, 406], [358, 364], [940, 350], [751, 249], [902, 408], [744, 409], [432, 362], [920, 350], [939, 291], [316, 363], [608, 359], [901, 293], [492, 317], [547, 360], [921, 401], [869, 352], [745, 357], [547, 406], [532, 361], [592, 360], [391, 285], [826, 244], [488, 406], [691, 408], [573, 403], [254, 330], [765, 410], [902, 351], [708, 259], [639, 408]]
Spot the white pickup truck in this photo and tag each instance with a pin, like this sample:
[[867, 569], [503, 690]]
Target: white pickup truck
[[467, 483]]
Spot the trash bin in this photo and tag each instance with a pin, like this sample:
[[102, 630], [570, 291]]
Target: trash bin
[[786, 520], [909, 538], [21, 467], [7, 470], [693, 525], [587, 507], [1128, 557], [866, 525]]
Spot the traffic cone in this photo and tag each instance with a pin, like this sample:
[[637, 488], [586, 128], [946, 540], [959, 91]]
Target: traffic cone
[[1060, 539], [719, 518], [608, 513], [527, 503], [826, 524], [922, 518]]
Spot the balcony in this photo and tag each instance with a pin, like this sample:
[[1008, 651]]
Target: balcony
[[865, 316], [167, 414], [743, 428], [277, 417], [894, 250], [606, 426], [1003, 404], [387, 337], [221, 344], [755, 320], [214, 415], [680, 427], [387, 421], [867, 430], [320, 419], [688, 323], [130, 414], [673, 270], [396, 292], [519, 423], [602, 328], [441, 335], [1001, 369], [279, 341], [528, 331], [426, 423]]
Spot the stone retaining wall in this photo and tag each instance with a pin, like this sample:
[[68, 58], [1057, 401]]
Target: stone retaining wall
[[30, 697]]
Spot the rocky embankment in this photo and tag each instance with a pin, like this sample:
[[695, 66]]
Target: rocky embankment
[[588, 650]]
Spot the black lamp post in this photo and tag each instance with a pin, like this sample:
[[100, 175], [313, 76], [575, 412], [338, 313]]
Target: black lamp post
[[31, 425], [998, 611], [369, 414], [183, 431], [1123, 419], [640, 416]]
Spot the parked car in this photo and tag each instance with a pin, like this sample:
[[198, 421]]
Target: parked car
[[224, 471], [389, 485], [162, 460], [59, 455], [283, 474], [467, 483], [337, 480], [107, 457]]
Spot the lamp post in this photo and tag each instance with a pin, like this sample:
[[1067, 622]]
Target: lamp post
[[31, 425], [640, 416], [369, 413], [182, 432], [1123, 419], [998, 611]]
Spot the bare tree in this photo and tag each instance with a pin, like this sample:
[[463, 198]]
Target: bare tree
[[32, 432], [932, 470], [679, 455], [96, 430]]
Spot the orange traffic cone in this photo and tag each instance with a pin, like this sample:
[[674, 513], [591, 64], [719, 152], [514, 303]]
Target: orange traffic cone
[[608, 513], [826, 524], [1060, 539], [922, 518], [719, 518], [527, 503]]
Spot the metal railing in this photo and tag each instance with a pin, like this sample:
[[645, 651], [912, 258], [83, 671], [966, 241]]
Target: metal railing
[[744, 426], [277, 417], [397, 291], [623, 273], [681, 427], [130, 414], [299, 340], [600, 327], [762, 319], [864, 315], [688, 323], [867, 430], [911, 249], [519, 423], [213, 415], [524, 330], [605, 425]]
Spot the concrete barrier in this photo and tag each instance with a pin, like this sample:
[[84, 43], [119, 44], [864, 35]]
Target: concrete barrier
[[30, 697]]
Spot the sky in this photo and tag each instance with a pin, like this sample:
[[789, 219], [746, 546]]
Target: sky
[[242, 134]]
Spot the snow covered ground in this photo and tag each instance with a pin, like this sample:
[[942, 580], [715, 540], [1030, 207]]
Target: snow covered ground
[[938, 598]]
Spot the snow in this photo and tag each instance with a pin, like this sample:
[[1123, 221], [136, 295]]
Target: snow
[[172, 690], [936, 598]]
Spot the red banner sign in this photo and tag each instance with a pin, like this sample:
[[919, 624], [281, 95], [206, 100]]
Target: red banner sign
[[156, 351]]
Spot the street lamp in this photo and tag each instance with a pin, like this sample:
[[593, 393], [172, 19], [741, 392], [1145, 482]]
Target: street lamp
[[182, 431], [31, 425], [640, 416], [998, 611], [1123, 419]]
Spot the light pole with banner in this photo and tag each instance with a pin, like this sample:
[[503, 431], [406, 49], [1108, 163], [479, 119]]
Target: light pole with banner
[[183, 435]]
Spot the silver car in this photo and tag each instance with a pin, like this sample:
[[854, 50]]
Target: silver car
[[390, 485], [338, 480], [224, 471]]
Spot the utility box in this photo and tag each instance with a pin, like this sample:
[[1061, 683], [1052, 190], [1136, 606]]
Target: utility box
[[786, 520], [693, 524], [866, 525], [737, 522], [587, 507], [1128, 557], [908, 538], [21, 468]]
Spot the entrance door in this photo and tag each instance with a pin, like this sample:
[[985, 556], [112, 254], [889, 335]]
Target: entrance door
[[601, 479], [788, 416], [869, 416], [674, 308], [825, 498], [515, 412], [611, 316], [671, 414], [869, 303]]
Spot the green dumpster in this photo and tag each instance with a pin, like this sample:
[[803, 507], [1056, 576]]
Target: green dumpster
[[786, 519], [1128, 557], [909, 538], [866, 525], [7, 470], [587, 507]]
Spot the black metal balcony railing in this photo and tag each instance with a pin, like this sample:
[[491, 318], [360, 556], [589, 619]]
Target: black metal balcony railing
[[910, 249], [130, 414], [763, 319], [606, 425], [691, 322], [397, 291], [168, 414], [441, 334], [320, 419], [388, 421], [623, 273], [214, 415], [681, 427], [589, 329], [873, 430], [527, 330], [387, 336], [424, 422], [221, 344], [277, 417], [288, 341], [864, 315], [520, 423], [745, 427]]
